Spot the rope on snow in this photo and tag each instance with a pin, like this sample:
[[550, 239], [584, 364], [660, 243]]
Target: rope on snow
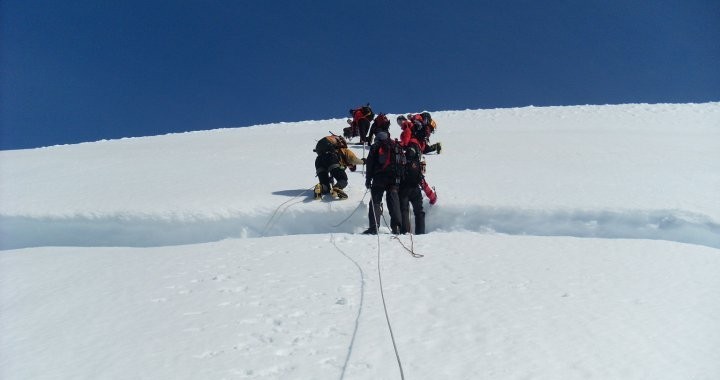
[[360, 308], [410, 250], [382, 294], [353, 213], [275, 213]]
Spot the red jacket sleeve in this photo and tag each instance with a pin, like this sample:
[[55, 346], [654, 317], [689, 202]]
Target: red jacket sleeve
[[406, 135]]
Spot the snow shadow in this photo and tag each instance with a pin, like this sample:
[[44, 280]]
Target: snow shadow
[[126, 231], [292, 219], [671, 225]]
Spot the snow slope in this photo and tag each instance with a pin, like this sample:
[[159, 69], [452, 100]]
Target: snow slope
[[568, 242]]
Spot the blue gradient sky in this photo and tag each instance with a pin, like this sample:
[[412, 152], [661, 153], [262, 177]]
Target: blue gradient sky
[[74, 71]]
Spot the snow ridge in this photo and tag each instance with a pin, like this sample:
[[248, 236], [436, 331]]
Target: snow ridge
[[143, 231]]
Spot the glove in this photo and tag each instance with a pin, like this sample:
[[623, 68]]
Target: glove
[[368, 183], [363, 160], [352, 168]]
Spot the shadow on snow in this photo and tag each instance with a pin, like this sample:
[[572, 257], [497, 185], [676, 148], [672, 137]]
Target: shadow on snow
[[671, 225]]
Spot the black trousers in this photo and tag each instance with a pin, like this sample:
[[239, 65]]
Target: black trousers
[[363, 128], [393, 202], [431, 148], [327, 167], [412, 196]]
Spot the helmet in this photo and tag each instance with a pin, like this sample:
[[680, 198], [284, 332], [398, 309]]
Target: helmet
[[400, 119]]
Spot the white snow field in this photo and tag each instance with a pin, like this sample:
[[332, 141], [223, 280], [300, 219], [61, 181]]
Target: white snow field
[[576, 242]]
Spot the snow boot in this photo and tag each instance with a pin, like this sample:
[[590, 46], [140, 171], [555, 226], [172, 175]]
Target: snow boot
[[370, 231], [338, 193]]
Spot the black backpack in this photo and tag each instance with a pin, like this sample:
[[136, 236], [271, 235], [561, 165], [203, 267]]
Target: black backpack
[[329, 144], [382, 122], [413, 165], [419, 131], [391, 158]]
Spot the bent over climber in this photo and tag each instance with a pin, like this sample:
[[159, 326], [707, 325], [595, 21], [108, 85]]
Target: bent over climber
[[359, 122], [329, 167]]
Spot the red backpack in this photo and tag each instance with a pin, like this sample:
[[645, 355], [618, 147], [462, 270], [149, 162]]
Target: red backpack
[[364, 112], [381, 121]]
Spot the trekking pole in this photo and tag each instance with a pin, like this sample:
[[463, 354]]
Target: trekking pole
[[363, 169]]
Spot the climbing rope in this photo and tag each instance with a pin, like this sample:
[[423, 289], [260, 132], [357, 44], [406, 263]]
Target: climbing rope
[[382, 294], [275, 213], [353, 213], [380, 280], [280, 210], [410, 250], [360, 308]]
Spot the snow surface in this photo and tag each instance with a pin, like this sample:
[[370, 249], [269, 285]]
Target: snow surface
[[567, 243]]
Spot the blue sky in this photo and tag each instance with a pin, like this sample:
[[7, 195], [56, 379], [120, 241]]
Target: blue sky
[[74, 71]]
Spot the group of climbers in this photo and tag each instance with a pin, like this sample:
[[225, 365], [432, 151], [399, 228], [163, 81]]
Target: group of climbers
[[420, 127], [394, 167]]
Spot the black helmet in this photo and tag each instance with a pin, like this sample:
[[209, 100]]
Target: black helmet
[[400, 119]]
